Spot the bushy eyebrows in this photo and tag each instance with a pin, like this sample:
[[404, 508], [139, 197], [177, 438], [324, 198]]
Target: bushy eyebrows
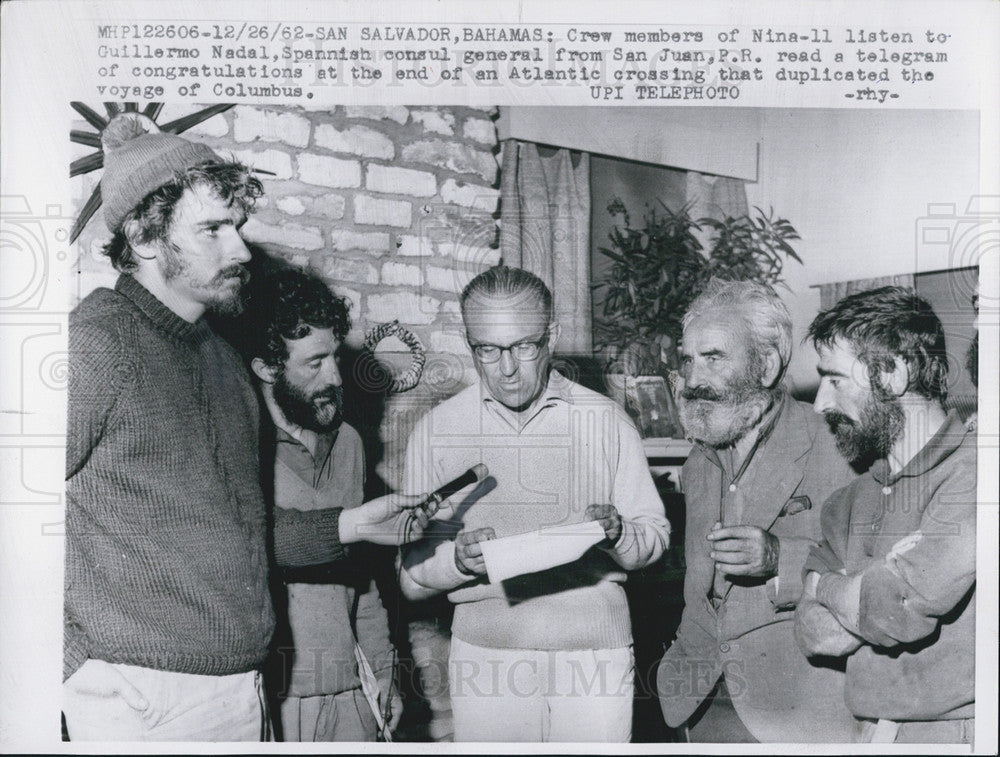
[[711, 352]]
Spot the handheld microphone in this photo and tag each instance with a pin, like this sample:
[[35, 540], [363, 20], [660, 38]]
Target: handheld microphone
[[474, 475]]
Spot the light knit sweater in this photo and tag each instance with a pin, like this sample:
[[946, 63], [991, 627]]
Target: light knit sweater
[[166, 565], [578, 448]]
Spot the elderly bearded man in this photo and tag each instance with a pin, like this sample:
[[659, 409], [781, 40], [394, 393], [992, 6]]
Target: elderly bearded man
[[545, 656], [893, 586], [753, 484]]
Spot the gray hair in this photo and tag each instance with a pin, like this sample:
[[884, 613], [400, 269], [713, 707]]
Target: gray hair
[[766, 316]]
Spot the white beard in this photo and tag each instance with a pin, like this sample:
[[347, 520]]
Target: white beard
[[721, 423]]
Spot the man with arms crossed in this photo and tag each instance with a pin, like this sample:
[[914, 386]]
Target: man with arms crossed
[[167, 613], [545, 656], [754, 482], [892, 587]]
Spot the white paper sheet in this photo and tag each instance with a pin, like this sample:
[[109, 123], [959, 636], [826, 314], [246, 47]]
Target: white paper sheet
[[539, 550]]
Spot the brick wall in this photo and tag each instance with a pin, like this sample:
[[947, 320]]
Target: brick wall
[[395, 207]]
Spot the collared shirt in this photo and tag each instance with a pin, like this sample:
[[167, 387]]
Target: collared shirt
[[314, 468], [557, 389], [330, 604]]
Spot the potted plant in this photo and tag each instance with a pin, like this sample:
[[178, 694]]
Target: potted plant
[[656, 272]]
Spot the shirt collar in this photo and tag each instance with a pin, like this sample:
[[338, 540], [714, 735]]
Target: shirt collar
[[165, 319], [940, 446], [324, 442], [558, 389]]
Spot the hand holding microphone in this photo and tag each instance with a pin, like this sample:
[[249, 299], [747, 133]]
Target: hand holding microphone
[[421, 515], [400, 518]]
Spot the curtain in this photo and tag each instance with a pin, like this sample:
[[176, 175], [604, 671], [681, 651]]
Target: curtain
[[831, 294], [715, 197], [545, 229]]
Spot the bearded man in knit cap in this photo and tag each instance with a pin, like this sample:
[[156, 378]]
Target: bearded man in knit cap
[[167, 610]]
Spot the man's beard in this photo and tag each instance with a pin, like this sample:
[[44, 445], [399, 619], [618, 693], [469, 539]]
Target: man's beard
[[224, 300], [871, 437], [719, 419], [228, 302], [320, 412]]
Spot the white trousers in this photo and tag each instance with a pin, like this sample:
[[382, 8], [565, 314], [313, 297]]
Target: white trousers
[[529, 695], [182, 707]]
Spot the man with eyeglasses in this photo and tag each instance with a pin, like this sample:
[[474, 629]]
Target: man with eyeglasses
[[545, 656]]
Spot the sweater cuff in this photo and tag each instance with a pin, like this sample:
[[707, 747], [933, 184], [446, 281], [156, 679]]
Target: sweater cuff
[[74, 651], [329, 532]]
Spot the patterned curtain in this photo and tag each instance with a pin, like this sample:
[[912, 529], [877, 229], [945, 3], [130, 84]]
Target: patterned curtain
[[545, 228], [715, 197]]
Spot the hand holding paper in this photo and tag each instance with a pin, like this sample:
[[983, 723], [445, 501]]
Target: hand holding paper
[[469, 550], [539, 550], [610, 520]]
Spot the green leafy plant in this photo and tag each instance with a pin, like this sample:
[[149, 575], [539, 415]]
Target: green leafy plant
[[658, 269]]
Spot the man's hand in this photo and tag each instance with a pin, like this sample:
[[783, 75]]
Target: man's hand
[[468, 553], [818, 632], [744, 551], [395, 711], [390, 520], [609, 519], [393, 519], [102, 679]]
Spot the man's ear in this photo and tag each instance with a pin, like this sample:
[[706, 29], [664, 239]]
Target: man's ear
[[897, 380], [263, 371], [143, 250], [554, 332], [772, 369]]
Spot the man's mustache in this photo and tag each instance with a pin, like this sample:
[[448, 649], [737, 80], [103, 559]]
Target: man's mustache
[[232, 272], [333, 394], [835, 419], [701, 393]]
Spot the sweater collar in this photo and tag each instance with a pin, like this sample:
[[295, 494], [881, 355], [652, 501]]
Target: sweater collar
[[165, 319]]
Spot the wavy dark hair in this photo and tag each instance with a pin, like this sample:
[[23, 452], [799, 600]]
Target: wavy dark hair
[[888, 323], [230, 180], [288, 304]]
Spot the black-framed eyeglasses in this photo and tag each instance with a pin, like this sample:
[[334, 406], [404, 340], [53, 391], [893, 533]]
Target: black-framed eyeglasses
[[525, 350]]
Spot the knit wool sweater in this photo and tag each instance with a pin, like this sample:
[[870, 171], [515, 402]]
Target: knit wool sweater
[[166, 564]]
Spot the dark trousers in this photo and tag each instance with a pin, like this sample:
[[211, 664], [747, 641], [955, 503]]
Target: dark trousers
[[716, 722]]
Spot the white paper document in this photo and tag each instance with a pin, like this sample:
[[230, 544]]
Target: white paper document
[[539, 550]]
